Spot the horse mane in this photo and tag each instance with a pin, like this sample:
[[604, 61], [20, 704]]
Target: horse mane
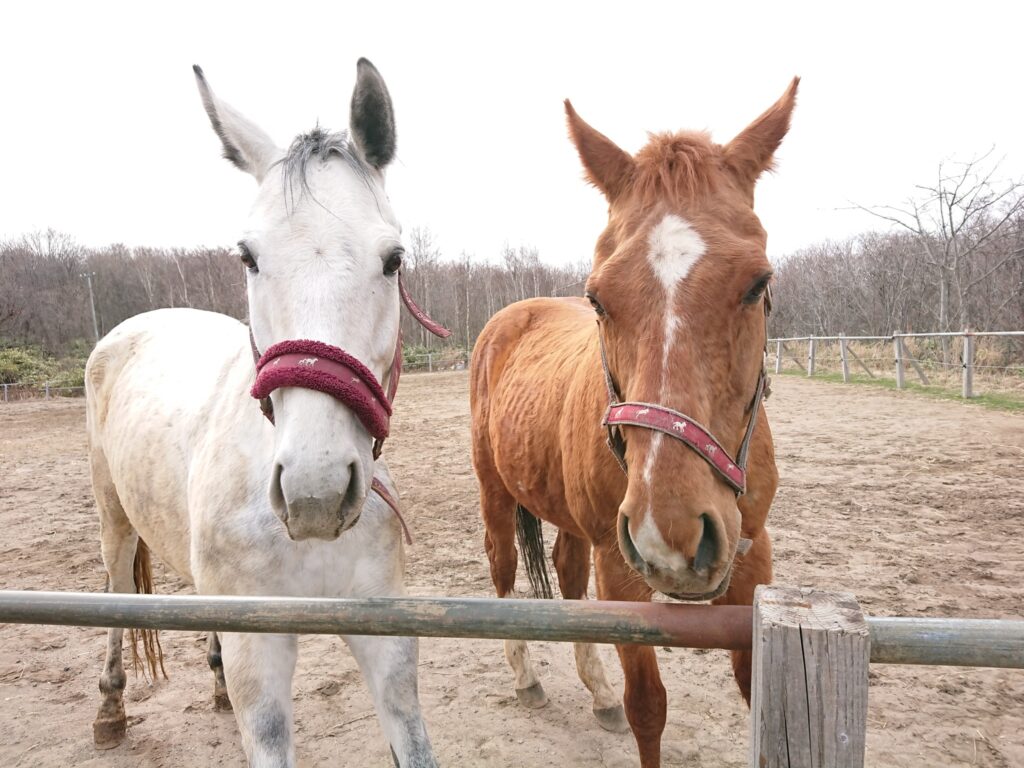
[[678, 166], [319, 143]]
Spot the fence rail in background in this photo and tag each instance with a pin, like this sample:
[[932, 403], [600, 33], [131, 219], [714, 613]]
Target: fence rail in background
[[445, 359], [811, 648], [44, 391], [934, 359]]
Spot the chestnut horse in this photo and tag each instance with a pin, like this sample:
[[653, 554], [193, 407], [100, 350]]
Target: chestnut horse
[[680, 290]]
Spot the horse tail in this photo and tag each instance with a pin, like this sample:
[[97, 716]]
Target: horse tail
[[143, 572], [531, 543]]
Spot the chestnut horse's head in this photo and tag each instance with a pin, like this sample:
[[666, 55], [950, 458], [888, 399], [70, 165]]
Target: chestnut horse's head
[[679, 282]]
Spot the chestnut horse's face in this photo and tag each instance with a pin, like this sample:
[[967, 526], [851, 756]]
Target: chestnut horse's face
[[679, 282]]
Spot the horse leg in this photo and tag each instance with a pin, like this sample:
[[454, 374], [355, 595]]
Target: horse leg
[[258, 672], [118, 542], [221, 700], [572, 563], [389, 668], [751, 569], [644, 699], [498, 509]]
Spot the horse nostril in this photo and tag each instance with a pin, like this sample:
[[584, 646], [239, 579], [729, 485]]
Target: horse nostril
[[629, 550], [707, 549], [277, 501], [353, 492]]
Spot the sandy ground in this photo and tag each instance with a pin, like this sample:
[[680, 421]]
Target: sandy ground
[[913, 504]]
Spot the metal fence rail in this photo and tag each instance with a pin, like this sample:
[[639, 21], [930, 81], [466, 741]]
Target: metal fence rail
[[952, 642]]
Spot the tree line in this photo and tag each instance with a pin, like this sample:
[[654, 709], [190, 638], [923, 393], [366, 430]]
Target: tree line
[[45, 293], [953, 257]]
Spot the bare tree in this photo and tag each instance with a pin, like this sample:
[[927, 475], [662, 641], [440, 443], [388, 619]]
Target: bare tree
[[957, 221]]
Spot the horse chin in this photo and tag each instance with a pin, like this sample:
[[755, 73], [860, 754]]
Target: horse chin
[[698, 598]]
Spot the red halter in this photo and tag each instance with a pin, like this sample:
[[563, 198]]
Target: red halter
[[325, 368]]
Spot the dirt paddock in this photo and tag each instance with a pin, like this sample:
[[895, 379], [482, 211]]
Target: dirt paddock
[[914, 505]]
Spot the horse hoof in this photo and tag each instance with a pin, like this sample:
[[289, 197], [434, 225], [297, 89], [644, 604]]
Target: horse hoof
[[221, 702], [612, 719], [107, 734], [532, 697]]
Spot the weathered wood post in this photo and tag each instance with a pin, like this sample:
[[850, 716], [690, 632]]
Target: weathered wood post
[[46, 386], [968, 383], [778, 357], [5, 392], [430, 362], [809, 703], [897, 345], [843, 360], [810, 356]]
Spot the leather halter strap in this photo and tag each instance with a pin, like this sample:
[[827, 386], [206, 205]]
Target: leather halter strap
[[680, 426], [329, 369]]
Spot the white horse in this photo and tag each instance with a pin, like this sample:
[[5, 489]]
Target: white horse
[[183, 461]]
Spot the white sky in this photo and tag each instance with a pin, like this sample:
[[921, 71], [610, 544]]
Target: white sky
[[103, 136]]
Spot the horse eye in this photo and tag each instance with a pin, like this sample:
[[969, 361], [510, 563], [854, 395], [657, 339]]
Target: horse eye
[[756, 292], [595, 304], [393, 262], [247, 258]]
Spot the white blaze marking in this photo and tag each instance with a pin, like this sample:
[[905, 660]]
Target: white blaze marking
[[675, 249], [654, 549]]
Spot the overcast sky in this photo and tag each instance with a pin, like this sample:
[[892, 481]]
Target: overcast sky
[[103, 135]]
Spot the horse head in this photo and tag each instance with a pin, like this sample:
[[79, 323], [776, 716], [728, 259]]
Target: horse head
[[322, 251], [679, 285]]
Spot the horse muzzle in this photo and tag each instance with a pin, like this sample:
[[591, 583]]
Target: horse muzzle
[[325, 515], [695, 581]]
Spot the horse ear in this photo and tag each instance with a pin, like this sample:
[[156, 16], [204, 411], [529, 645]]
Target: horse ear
[[608, 167], [751, 152], [372, 118], [245, 143]]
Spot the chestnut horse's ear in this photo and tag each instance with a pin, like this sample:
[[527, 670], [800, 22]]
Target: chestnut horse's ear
[[608, 167], [750, 153]]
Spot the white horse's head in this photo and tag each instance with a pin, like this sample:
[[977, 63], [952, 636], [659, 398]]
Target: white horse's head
[[322, 252]]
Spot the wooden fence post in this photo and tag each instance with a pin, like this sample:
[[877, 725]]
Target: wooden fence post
[[810, 356], [778, 357], [809, 701], [5, 392], [47, 386], [968, 383], [843, 360], [430, 362], [897, 345]]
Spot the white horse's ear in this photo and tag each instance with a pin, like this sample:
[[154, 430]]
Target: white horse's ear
[[245, 144], [372, 118]]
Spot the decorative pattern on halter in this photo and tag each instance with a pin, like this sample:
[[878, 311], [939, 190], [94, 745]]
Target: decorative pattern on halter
[[325, 368], [682, 428]]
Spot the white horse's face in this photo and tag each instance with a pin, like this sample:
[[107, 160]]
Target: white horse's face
[[322, 248], [325, 264]]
